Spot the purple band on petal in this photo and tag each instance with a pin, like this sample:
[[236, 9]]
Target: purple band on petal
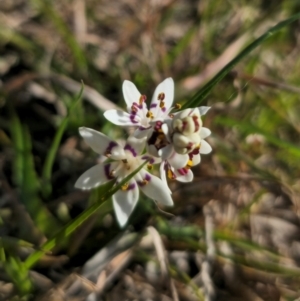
[[107, 172], [147, 177], [132, 116], [131, 149], [182, 171], [142, 128], [153, 105], [164, 109], [151, 160], [136, 105], [111, 145], [131, 186], [145, 181]]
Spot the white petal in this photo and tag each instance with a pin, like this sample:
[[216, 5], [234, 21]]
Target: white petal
[[136, 146], [122, 118], [178, 161], [92, 178], [96, 140], [131, 93], [185, 178], [163, 174], [155, 189], [205, 148], [118, 153], [124, 203], [196, 159], [203, 110], [166, 87], [152, 150], [166, 151], [141, 132], [166, 130], [204, 132]]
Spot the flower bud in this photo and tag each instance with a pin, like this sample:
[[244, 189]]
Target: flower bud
[[187, 122], [185, 144]]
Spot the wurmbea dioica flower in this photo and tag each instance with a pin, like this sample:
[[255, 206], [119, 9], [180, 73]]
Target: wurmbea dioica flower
[[138, 114], [122, 160], [179, 142], [174, 139]]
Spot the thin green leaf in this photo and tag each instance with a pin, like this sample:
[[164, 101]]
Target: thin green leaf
[[26, 178], [198, 98], [47, 169], [73, 225], [18, 273]]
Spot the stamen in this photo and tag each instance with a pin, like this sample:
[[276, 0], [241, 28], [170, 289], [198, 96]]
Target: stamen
[[149, 115], [125, 161], [142, 99], [125, 187], [162, 104], [171, 174], [161, 96], [171, 115], [178, 106], [189, 164], [149, 166]]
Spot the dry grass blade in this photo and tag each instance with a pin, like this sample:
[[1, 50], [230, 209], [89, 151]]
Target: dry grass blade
[[90, 94], [163, 260]]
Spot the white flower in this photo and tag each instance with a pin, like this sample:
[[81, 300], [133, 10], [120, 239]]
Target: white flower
[[122, 161], [179, 145], [138, 114], [178, 166]]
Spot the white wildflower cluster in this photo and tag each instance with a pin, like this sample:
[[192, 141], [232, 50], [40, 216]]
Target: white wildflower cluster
[[175, 140]]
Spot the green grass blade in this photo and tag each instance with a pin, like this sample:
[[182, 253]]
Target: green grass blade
[[26, 178], [198, 98], [47, 169], [102, 204], [18, 273]]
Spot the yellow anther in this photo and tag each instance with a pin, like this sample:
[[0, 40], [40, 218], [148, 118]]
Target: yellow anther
[[145, 182], [178, 106], [125, 161], [189, 164], [112, 173], [125, 187], [162, 104], [161, 96], [149, 166], [142, 99], [171, 174], [149, 115]]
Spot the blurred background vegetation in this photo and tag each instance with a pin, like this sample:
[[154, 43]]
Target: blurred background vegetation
[[234, 232]]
